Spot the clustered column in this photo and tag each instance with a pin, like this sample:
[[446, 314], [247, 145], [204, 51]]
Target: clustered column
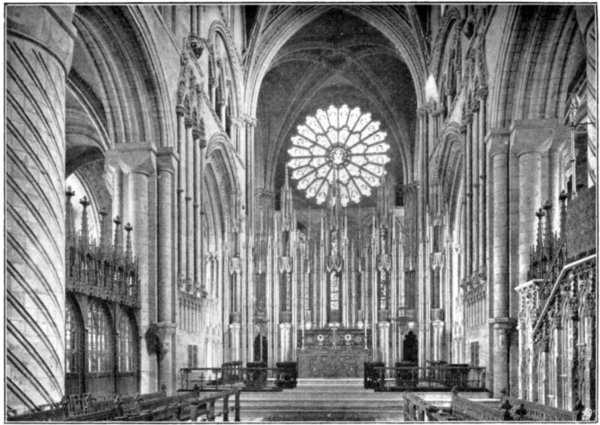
[[498, 145], [165, 315], [482, 174], [181, 216]]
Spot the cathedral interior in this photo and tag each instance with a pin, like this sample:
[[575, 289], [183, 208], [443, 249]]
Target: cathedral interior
[[339, 189]]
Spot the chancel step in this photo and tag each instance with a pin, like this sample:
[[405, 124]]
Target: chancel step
[[323, 400]]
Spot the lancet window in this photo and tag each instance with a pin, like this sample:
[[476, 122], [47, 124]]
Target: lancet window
[[126, 343], [99, 335]]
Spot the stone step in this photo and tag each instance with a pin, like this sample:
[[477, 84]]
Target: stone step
[[323, 400], [317, 396], [330, 381]]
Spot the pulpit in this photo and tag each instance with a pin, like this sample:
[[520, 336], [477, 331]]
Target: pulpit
[[329, 353]]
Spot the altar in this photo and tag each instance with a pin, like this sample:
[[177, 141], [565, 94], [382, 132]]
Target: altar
[[326, 353]]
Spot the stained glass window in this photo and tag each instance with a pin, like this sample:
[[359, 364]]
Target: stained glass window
[[99, 339], [73, 341], [126, 343], [340, 145]]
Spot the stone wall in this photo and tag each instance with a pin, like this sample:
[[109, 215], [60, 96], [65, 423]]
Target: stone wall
[[581, 224]]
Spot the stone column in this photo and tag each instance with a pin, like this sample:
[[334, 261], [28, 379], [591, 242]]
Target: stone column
[[502, 330], [464, 210], [469, 193], [235, 333], [560, 136], [38, 53], [188, 230], [285, 338], [438, 335], [197, 176], [475, 152], [528, 138], [482, 180], [383, 328], [181, 216], [138, 163], [498, 144], [235, 316], [165, 282]]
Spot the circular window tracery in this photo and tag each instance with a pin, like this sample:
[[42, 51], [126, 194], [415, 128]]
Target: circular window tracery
[[340, 145]]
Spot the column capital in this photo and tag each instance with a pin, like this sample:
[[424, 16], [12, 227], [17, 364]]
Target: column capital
[[165, 328], [250, 121], [497, 141], [529, 136], [133, 158], [422, 111], [237, 121], [504, 323], [166, 158], [483, 92], [439, 111], [383, 325], [468, 117]]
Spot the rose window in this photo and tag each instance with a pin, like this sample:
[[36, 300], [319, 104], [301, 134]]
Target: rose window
[[342, 146]]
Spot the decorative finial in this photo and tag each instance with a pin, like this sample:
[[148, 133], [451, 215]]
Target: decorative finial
[[70, 224], [103, 238], [117, 240], [84, 221]]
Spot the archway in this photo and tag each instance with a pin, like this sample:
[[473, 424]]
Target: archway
[[410, 348]]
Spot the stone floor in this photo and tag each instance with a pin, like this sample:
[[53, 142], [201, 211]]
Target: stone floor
[[322, 400]]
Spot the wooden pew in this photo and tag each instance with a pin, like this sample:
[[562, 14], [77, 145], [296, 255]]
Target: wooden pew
[[466, 409], [523, 410], [145, 407], [185, 407]]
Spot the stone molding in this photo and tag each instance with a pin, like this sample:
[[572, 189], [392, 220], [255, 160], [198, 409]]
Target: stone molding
[[531, 136], [133, 158], [166, 160], [497, 141]]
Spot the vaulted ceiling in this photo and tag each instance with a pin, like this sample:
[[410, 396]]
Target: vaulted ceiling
[[336, 59]]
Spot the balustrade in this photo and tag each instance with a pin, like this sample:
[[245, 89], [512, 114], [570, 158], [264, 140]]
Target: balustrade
[[254, 377], [438, 377]]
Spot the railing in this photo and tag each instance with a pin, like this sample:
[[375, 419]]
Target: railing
[[577, 295], [213, 378], [444, 377], [552, 272]]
